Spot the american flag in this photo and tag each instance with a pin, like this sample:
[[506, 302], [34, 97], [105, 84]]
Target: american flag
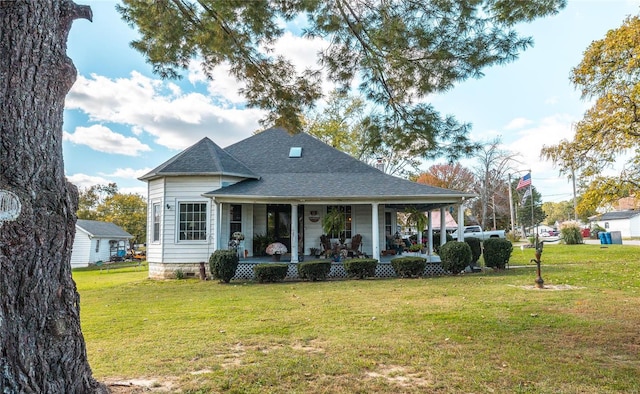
[[524, 181]]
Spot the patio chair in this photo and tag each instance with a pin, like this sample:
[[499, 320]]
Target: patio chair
[[325, 242], [356, 243]]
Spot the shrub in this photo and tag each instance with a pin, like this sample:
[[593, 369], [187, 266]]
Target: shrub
[[497, 252], [436, 241], [314, 270], [476, 248], [571, 233], [270, 272], [415, 248], [223, 265], [409, 267], [455, 256], [360, 268], [512, 236], [179, 274]]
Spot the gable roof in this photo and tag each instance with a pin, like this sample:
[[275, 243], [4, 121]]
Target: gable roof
[[102, 229], [617, 215], [203, 158], [321, 172]]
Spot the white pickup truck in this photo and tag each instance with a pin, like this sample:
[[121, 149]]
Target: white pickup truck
[[477, 232]]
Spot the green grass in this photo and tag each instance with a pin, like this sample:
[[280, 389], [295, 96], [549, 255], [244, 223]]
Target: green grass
[[472, 333]]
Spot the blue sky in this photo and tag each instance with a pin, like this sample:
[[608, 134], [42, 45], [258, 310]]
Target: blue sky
[[121, 120]]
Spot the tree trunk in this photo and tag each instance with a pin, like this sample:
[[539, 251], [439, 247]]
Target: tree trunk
[[42, 349]]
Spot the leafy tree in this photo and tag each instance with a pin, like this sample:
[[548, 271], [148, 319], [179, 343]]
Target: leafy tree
[[526, 216], [610, 129], [41, 343], [399, 51], [105, 203], [448, 176], [558, 212], [492, 171], [128, 211], [89, 199], [340, 125]]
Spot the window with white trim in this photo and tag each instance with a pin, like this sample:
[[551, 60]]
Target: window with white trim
[[192, 221], [156, 212], [346, 211], [235, 219]]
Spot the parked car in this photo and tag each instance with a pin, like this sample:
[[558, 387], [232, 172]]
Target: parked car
[[550, 233], [477, 232]]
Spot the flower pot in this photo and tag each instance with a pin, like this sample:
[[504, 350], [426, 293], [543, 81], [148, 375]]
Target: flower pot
[[276, 257]]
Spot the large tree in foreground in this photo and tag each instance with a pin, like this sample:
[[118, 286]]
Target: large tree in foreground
[[610, 130], [398, 51], [42, 349]]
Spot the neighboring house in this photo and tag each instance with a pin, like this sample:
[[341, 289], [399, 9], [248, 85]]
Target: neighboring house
[[272, 183], [627, 222], [97, 241]]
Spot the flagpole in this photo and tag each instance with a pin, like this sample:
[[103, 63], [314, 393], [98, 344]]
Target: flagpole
[[513, 228]]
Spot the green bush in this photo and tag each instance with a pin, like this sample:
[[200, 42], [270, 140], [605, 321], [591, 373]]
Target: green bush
[[314, 270], [455, 256], [223, 265], [270, 272], [571, 234], [436, 241], [360, 268], [476, 248], [409, 267], [497, 252]]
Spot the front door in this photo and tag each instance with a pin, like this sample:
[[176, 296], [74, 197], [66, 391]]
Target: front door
[[279, 224]]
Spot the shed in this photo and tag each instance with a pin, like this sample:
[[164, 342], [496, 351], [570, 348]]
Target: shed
[[627, 222], [96, 241]]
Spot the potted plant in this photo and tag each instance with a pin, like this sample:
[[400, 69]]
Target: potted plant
[[276, 250], [333, 222], [417, 218], [314, 252]]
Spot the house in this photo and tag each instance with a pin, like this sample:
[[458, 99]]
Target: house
[[97, 241], [271, 184], [627, 222]]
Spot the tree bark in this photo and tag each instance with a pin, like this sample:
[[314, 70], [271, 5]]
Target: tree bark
[[42, 349]]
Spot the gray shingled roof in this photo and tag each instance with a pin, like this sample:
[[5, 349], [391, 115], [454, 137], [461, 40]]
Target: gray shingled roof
[[203, 158], [321, 172], [102, 229], [618, 215]]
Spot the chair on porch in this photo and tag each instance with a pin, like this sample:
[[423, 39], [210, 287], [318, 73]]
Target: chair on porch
[[325, 242], [356, 243]]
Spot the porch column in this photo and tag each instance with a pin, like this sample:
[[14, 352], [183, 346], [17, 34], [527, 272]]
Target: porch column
[[460, 223], [375, 231], [217, 225], [429, 234], [443, 226], [294, 233]]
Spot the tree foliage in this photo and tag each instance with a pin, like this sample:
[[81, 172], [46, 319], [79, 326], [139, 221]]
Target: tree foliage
[[610, 130], [448, 176], [492, 173], [399, 52], [105, 203]]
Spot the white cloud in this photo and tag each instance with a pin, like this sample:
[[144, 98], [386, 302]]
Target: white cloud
[[148, 105], [127, 173], [102, 139], [84, 181], [518, 123]]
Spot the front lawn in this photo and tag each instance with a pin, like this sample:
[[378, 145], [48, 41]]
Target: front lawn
[[473, 333]]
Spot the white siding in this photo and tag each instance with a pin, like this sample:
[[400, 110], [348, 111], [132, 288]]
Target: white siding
[[313, 231], [634, 230], [155, 195], [627, 227], [181, 190], [81, 250]]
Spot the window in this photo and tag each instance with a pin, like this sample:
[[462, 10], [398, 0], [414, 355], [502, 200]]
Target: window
[[235, 219], [156, 222], [388, 228], [193, 221], [97, 245], [346, 211]]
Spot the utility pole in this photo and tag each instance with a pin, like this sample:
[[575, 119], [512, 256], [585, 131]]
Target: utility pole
[[575, 201], [513, 228]]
